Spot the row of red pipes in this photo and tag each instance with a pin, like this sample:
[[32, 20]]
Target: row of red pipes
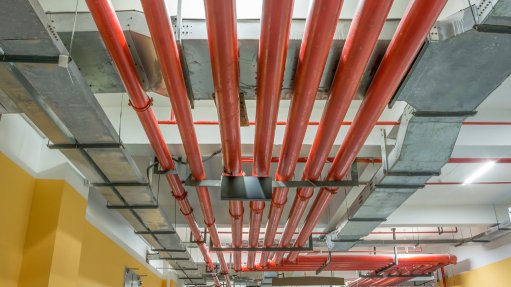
[[223, 48], [163, 38], [320, 27], [362, 37], [407, 265], [408, 39]]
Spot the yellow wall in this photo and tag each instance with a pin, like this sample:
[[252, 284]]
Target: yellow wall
[[497, 274], [41, 233], [103, 262], [16, 188], [50, 243]]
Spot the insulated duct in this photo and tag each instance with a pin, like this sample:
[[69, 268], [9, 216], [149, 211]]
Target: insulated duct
[[463, 77]]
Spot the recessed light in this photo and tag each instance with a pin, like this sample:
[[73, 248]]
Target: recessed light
[[486, 167]]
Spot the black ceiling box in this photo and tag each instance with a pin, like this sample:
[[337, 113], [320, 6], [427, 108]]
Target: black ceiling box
[[246, 188]]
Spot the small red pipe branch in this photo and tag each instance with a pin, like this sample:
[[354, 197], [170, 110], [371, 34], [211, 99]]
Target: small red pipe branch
[[223, 48], [360, 42], [318, 36], [273, 45], [444, 278], [162, 35], [115, 42], [406, 43]]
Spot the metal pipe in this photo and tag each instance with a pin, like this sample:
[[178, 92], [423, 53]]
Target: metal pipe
[[409, 38], [162, 35], [360, 42], [223, 48], [273, 44], [317, 39], [113, 37]]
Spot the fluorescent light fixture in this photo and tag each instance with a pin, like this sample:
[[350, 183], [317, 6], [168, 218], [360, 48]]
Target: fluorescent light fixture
[[486, 167]]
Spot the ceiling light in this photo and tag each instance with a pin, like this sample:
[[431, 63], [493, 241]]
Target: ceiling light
[[486, 167]]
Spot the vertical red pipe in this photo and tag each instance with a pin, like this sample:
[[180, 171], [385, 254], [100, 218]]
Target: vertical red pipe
[[223, 48], [408, 39], [113, 37], [162, 35], [444, 279], [317, 39], [273, 44], [362, 37]]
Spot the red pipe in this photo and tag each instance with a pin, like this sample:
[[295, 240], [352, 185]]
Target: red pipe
[[408, 39], [356, 262], [113, 37], [223, 48], [317, 39], [165, 45], [444, 278], [273, 44], [360, 42]]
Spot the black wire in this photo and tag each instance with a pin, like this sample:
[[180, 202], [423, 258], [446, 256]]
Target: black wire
[[180, 161], [212, 155], [152, 165]]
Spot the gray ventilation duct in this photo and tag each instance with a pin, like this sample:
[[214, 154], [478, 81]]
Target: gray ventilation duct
[[90, 53], [455, 71], [61, 104]]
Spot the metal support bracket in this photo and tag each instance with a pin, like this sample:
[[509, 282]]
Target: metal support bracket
[[489, 28], [155, 232], [86, 146], [170, 258], [368, 219], [326, 264], [168, 250], [394, 276], [158, 170], [285, 184], [399, 186], [384, 153], [31, 59], [279, 184], [119, 184], [185, 269], [412, 173], [136, 206], [444, 114], [310, 247]]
